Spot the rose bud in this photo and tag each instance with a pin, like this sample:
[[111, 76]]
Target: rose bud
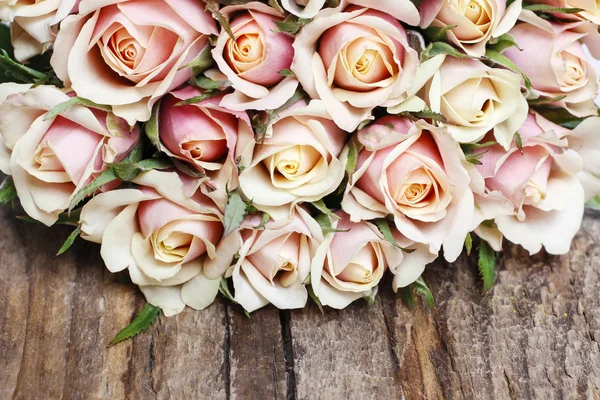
[[128, 54], [497, 102], [51, 160], [299, 160], [555, 62], [253, 58], [354, 61], [415, 173], [161, 232], [474, 22], [273, 262], [351, 263], [540, 184]]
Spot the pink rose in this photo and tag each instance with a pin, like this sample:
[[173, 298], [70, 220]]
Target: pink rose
[[128, 54], [354, 60], [546, 199], [555, 62], [162, 232], [253, 58], [51, 160], [273, 262], [349, 265], [475, 22], [301, 159], [415, 173]]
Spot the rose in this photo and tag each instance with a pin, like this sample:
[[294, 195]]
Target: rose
[[354, 60], [473, 23], [555, 62], [161, 232], [204, 135], [350, 264], [31, 23], [13, 128], [413, 172], [253, 58], [129, 53], [303, 8], [546, 199], [52, 159], [272, 263], [496, 100], [584, 140], [299, 159]]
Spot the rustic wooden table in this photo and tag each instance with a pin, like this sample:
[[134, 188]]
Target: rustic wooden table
[[535, 335]]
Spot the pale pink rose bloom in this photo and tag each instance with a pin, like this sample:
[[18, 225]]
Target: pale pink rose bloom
[[52, 159], [205, 135], [301, 159], [545, 198], [403, 10], [272, 263], [555, 62], [590, 9], [128, 54], [14, 128], [349, 265], [494, 101], [414, 172], [32, 24], [253, 58], [475, 21], [354, 60], [162, 232]]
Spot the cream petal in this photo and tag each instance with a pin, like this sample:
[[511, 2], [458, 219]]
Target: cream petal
[[168, 298], [200, 292]]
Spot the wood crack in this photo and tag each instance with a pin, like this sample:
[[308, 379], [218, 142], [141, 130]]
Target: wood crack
[[288, 355], [227, 354]]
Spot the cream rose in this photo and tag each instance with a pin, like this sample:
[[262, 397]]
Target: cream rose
[[253, 58], [546, 199], [273, 262], [50, 160], [128, 54], [161, 232], [475, 99], [415, 173], [555, 62], [300, 159], [475, 21], [349, 265], [354, 60]]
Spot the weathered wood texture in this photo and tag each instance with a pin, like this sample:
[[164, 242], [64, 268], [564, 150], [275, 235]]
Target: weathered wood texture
[[534, 336]]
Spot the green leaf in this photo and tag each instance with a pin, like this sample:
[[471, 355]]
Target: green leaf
[[519, 142], [545, 100], [101, 180], [502, 43], [407, 296], [324, 222], [151, 126], [370, 298], [197, 99], [287, 72], [261, 121], [224, 289], [353, 150], [320, 205], [265, 218], [127, 171], [16, 72], [201, 63], [8, 191], [544, 8], [384, 227], [487, 264], [291, 24], [140, 324], [439, 48], [62, 107], [69, 242], [469, 243], [419, 287], [424, 114], [594, 203], [437, 33], [560, 116], [506, 62], [235, 211], [66, 218], [275, 4], [314, 298], [204, 82]]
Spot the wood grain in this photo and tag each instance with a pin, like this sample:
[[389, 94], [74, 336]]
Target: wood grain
[[535, 335]]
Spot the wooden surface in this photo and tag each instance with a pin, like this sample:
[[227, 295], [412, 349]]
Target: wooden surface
[[535, 336]]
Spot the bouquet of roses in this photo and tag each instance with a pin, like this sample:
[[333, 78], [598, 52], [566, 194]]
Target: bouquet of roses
[[281, 149]]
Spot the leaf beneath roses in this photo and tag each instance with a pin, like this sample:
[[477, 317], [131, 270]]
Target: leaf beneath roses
[[506, 62], [545, 100], [594, 203], [17, 72], [436, 33], [439, 48], [469, 243], [560, 116], [69, 242], [370, 297], [235, 211], [384, 227], [8, 191], [324, 222], [487, 264], [314, 298], [502, 43], [291, 24], [420, 287], [151, 127], [545, 8], [140, 324], [64, 106], [101, 180], [320, 205], [407, 296]]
